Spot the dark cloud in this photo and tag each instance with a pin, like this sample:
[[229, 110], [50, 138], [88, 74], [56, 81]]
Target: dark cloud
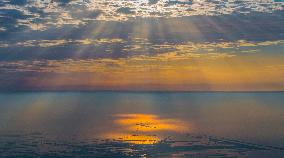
[[82, 13], [153, 1], [62, 52], [37, 10], [258, 26], [253, 27], [172, 2], [18, 2], [9, 20], [125, 10], [13, 14], [62, 2]]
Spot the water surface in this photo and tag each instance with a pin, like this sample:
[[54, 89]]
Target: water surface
[[132, 124]]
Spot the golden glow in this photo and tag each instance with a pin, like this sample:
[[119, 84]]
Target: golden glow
[[144, 128], [224, 66], [180, 73], [145, 123]]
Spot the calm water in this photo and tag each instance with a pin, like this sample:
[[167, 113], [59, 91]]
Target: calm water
[[117, 124]]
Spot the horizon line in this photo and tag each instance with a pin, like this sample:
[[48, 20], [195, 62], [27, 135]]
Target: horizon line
[[142, 91]]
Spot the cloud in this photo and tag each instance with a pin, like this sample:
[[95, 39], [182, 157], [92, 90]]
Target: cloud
[[50, 13], [61, 42], [116, 48], [165, 54]]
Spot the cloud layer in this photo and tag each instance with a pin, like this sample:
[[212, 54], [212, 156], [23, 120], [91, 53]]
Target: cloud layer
[[43, 14]]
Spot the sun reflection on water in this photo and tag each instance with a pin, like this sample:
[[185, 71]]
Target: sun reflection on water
[[144, 128]]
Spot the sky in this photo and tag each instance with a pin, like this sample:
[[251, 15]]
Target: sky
[[142, 45]]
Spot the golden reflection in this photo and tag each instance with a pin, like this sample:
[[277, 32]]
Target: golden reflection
[[135, 138], [144, 128], [147, 122]]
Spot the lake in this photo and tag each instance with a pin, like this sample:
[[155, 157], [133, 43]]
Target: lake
[[141, 124]]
